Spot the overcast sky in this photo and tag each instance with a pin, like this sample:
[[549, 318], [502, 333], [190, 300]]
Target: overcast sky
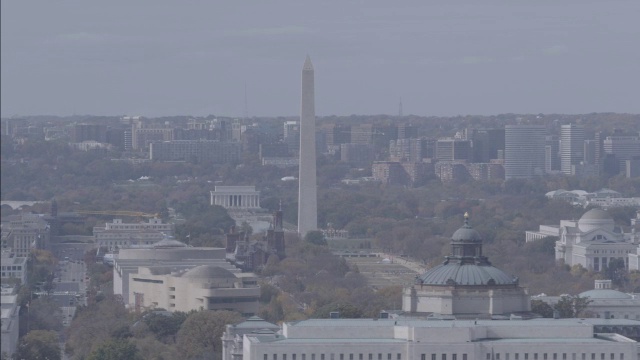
[[158, 58]]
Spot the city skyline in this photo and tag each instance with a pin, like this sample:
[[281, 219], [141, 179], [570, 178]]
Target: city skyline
[[119, 58]]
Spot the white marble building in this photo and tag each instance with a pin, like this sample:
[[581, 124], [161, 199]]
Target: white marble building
[[236, 197], [593, 241], [409, 339]]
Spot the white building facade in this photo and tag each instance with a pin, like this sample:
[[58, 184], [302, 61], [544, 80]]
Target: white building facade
[[593, 242], [406, 339], [236, 197]]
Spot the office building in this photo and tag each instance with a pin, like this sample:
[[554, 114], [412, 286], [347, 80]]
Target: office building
[[571, 147], [197, 151], [623, 148], [466, 285], [524, 151], [449, 149], [552, 154]]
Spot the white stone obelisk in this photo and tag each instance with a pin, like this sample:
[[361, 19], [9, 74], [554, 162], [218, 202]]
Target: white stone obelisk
[[307, 192]]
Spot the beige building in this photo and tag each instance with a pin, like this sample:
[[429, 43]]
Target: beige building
[[25, 232], [165, 254], [118, 234], [204, 287], [466, 285]]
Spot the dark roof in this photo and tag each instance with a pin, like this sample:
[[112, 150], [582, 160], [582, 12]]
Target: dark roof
[[208, 272], [450, 274]]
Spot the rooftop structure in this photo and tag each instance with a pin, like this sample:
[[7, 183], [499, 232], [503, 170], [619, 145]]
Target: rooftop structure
[[466, 285], [408, 339]]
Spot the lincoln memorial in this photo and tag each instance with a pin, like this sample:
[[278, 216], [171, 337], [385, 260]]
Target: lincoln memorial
[[236, 197]]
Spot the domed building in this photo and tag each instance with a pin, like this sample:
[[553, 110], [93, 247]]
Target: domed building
[[466, 285], [593, 241], [607, 303]]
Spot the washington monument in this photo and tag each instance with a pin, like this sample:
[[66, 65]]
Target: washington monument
[[307, 193]]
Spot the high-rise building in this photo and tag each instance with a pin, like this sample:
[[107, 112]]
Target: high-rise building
[[524, 151], [551, 154], [485, 144], [623, 147], [449, 149], [571, 147], [307, 193], [292, 135]]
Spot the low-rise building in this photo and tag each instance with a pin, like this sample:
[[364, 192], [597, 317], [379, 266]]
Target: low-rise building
[[419, 339], [167, 253], [13, 268], [204, 287], [10, 321]]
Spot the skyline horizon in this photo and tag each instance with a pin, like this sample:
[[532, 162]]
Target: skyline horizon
[[438, 59]]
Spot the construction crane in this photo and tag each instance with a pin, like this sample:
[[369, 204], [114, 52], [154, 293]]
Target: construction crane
[[117, 213]]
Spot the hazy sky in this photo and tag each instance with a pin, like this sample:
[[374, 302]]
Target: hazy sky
[[156, 58]]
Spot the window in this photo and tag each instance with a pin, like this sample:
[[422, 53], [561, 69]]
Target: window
[[526, 356], [389, 356], [275, 356], [433, 356], [350, 356], [321, 356], [313, 356], [454, 357], [360, 356], [265, 356], [399, 357], [444, 356], [464, 356], [498, 356], [284, 356], [535, 356], [555, 356], [293, 356], [304, 356], [370, 356], [423, 357], [544, 356]]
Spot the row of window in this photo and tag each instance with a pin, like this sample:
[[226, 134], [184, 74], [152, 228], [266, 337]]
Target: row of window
[[490, 356], [332, 356], [148, 280], [14, 268], [546, 356]]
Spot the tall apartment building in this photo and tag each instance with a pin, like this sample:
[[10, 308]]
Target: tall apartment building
[[571, 147], [449, 149], [524, 151]]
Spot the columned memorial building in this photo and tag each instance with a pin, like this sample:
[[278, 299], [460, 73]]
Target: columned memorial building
[[236, 197]]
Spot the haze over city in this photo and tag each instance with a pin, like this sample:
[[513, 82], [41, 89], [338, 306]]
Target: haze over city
[[160, 58]]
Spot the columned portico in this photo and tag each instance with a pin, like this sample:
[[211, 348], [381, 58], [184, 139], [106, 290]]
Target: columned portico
[[236, 197]]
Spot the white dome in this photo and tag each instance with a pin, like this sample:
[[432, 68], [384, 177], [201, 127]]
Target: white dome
[[596, 219]]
